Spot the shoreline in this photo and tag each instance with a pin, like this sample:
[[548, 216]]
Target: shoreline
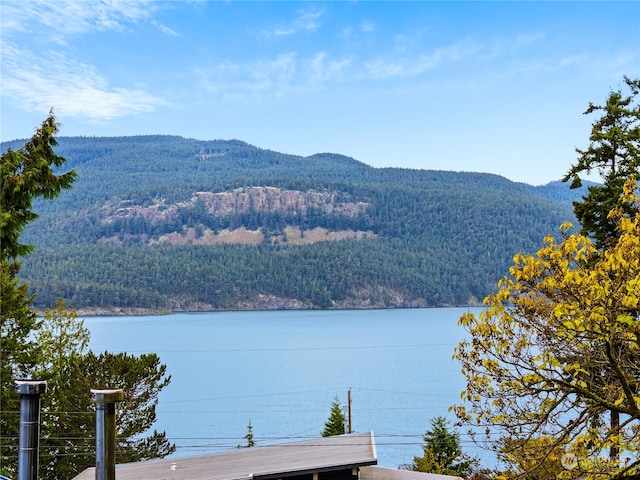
[[143, 312]]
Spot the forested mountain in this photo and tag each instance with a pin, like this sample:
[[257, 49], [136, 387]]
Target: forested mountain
[[168, 223]]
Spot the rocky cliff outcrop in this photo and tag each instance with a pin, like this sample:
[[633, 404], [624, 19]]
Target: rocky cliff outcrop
[[272, 199], [126, 216]]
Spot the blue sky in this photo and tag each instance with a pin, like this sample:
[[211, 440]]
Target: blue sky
[[495, 87]]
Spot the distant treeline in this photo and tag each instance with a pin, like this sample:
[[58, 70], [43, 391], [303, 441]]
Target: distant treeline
[[440, 238]]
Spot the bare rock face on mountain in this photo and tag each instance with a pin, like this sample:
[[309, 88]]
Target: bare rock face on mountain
[[272, 199], [261, 200]]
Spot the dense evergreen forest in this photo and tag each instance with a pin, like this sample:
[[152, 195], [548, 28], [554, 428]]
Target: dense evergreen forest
[[168, 223]]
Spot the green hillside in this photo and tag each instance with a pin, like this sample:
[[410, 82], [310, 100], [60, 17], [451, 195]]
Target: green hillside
[[168, 223]]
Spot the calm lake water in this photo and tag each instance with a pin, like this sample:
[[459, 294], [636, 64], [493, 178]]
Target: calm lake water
[[280, 370]]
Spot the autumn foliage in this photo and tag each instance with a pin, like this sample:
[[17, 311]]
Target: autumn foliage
[[556, 351]]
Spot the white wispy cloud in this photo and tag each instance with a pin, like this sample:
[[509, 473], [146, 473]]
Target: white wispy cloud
[[164, 29], [74, 89], [307, 20], [289, 73], [413, 65], [323, 69], [526, 39], [552, 63], [367, 26], [37, 79], [271, 79], [517, 45], [65, 18], [262, 80]]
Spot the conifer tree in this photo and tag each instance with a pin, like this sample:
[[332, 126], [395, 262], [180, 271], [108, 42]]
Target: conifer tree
[[335, 422], [614, 151], [55, 348], [248, 437], [25, 175], [442, 453]]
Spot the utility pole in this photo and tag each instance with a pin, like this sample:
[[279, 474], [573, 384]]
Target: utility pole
[[349, 410]]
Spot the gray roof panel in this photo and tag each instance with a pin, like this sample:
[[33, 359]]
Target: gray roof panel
[[283, 460]]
